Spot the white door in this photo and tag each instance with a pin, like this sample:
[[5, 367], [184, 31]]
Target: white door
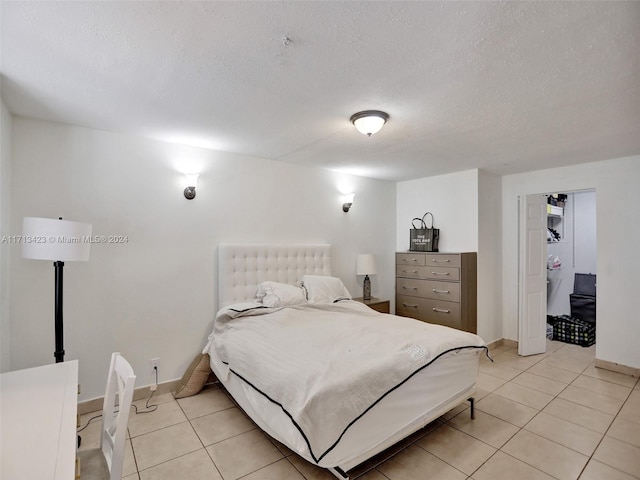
[[532, 324]]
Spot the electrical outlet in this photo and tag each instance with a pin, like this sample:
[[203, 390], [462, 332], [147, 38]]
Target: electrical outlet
[[155, 370]]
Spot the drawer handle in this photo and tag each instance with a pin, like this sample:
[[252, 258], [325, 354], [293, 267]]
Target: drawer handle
[[414, 271], [404, 260], [435, 290], [410, 288], [439, 273], [439, 261], [440, 310], [407, 305]]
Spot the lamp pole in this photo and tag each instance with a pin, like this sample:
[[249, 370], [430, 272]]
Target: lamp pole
[[59, 352]]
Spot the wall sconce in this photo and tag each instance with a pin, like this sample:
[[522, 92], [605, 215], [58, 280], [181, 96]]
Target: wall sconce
[[348, 201], [369, 121], [192, 182]]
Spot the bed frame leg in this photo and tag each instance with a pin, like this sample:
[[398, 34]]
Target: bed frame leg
[[338, 472], [472, 401]]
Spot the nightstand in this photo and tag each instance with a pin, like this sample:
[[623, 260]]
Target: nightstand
[[377, 304]]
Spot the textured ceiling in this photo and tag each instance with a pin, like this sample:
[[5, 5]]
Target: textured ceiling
[[503, 86]]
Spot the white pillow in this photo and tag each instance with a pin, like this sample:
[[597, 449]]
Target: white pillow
[[321, 288], [274, 294]]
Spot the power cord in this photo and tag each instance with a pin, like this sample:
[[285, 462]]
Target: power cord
[[90, 420], [148, 408]]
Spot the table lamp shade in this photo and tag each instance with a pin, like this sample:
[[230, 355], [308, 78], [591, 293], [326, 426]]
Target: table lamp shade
[[56, 240], [366, 264]]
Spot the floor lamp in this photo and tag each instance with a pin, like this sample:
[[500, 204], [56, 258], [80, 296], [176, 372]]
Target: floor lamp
[[58, 241]]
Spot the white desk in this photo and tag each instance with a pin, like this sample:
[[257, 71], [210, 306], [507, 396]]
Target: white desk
[[38, 408]]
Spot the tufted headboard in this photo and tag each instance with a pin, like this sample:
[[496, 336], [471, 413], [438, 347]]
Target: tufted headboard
[[241, 268]]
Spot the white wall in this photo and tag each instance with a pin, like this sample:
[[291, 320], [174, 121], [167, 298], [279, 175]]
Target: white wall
[[155, 295], [453, 201], [585, 232], [489, 256], [618, 259], [5, 227]]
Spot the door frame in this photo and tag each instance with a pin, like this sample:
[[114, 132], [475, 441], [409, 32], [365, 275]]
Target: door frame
[[523, 252]]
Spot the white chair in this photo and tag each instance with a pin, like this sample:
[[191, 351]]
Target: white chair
[[107, 461]]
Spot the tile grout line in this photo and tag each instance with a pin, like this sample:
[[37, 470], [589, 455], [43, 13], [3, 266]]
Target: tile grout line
[[133, 452], [200, 439], [523, 427], [603, 437], [196, 432], [540, 411], [520, 429]]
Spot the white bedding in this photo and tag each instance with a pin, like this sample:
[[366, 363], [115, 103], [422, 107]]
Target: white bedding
[[327, 365]]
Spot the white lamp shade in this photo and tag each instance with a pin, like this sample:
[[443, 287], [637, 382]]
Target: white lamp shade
[[366, 264], [56, 240], [369, 125], [191, 179]]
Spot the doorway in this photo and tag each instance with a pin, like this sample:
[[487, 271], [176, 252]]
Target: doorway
[[568, 247]]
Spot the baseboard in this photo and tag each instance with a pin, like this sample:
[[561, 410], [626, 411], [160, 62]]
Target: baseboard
[[495, 344], [618, 368], [500, 342], [605, 365], [95, 404]]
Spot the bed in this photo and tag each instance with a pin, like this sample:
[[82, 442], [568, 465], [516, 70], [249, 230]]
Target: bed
[[333, 380]]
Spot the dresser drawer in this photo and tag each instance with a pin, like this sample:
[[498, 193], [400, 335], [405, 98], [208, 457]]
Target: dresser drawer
[[410, 271], [428, 310], [410, 259], [441, 273], [449, 291], [428, 272], [442, 260]]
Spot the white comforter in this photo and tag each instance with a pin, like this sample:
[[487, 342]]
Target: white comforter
[[327, 364]]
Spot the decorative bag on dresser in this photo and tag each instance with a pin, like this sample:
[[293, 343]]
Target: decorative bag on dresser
[[423, 239]]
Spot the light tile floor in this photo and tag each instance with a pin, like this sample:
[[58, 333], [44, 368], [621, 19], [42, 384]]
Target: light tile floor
[[551, 416]]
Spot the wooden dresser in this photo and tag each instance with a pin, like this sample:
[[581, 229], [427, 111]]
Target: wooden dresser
[[438, 288]]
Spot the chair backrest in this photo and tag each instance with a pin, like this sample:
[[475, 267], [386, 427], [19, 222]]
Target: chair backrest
[[115, 413]]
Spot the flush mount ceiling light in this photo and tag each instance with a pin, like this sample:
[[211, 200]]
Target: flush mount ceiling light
[[369, 121]]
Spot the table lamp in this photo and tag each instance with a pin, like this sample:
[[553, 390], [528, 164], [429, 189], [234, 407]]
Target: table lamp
[[366, 265], [58, 241]]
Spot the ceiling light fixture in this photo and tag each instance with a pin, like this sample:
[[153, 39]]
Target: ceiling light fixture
[[369, 121]]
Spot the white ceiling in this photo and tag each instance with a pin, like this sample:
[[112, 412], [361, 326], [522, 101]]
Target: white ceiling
[[503, 86]]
